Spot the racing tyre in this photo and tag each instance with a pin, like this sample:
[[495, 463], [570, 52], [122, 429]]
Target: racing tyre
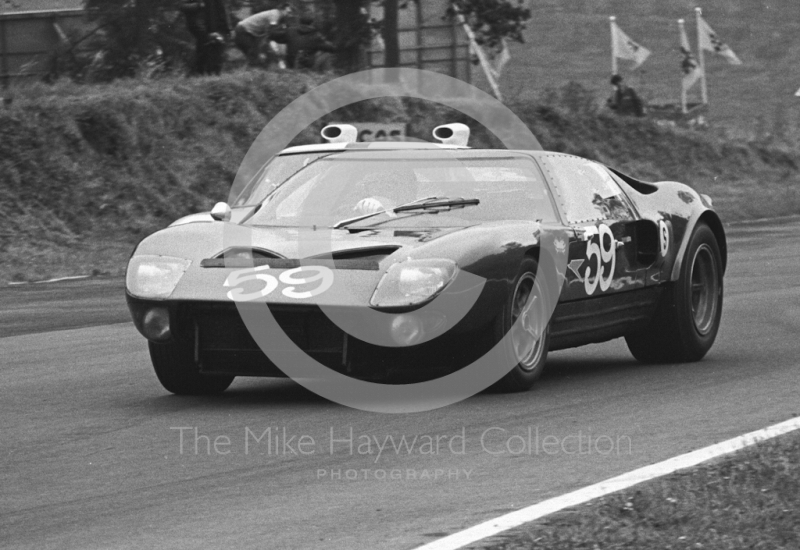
[[178, 373], [529, 338], [688, 315]]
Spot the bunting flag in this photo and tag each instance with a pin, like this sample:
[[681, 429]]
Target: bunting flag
[[496, 61], [709, 41], [625, 48], [692, 71], [500, 60]]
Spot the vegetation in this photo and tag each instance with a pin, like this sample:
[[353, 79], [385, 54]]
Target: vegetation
[[88, 170], [749, 500]]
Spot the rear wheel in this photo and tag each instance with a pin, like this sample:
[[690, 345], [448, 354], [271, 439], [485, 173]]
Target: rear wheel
[[527, 341], [178, 373], [687, 320]]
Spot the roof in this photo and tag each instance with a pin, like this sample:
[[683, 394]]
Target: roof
[[22, 6], [374, 145]]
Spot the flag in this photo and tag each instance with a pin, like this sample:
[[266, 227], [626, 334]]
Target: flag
[[500, 59], [709, 41], [497, 61], [625, 48], [692, 71]]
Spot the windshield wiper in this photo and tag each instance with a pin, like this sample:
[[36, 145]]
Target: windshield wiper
[[354, 219], [439, 203], [431, 207]]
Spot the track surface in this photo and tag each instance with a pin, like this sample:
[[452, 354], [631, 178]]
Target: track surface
[[88, 458]]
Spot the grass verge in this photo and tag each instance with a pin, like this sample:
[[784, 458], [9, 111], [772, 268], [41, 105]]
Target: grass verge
[[747, 500]]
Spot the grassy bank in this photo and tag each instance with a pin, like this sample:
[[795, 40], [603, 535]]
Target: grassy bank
[[748, 500], [87, 171]]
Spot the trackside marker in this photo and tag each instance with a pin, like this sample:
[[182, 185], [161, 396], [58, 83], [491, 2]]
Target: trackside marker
[[581, 496]]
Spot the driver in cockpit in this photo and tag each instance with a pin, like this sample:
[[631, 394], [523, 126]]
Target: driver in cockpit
[[385, 190]]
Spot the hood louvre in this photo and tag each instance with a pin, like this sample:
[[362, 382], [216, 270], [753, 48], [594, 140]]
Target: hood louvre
[[283, 263], [371, 253]]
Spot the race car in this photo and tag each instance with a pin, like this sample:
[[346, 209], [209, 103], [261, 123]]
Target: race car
[[389, 260]]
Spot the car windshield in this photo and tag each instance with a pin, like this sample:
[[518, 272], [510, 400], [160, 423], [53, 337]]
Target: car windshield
[[351, 185], [272, 174]]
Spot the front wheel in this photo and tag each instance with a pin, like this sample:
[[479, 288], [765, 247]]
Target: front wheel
[[178, 373], [523, 332], [687, 320]]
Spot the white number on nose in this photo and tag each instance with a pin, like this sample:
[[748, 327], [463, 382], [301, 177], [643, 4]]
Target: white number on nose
[[321, 273], [241, 276]]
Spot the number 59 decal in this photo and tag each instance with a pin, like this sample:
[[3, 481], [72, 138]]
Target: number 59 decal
[[606, 256], [291, 277]]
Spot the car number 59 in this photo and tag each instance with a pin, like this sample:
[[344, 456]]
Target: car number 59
[[269, 283], [605, 257]]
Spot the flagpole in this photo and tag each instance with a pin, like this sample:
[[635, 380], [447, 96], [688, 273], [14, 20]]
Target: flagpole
[[480, 53], [683, 88], [698, 12], [612, 23]]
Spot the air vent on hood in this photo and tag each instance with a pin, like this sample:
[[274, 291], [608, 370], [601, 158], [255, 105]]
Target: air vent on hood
[[242, 252], [360, 258], [373, 253]]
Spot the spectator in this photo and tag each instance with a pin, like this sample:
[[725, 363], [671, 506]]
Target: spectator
[[209, 23], [303, 41], [625, 100], [251, 32]]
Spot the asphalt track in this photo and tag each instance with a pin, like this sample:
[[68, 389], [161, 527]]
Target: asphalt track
[[90, 460]]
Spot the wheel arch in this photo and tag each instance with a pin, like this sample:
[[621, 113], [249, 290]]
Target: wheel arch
[[712, 220]]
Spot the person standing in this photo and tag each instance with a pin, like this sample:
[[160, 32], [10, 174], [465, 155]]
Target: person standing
[[252, 31], [209, 22], [303, 41]]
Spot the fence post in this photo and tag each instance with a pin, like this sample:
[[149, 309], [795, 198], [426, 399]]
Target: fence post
[[3, 54]]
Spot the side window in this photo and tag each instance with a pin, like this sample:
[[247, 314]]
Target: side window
[[585, 190]]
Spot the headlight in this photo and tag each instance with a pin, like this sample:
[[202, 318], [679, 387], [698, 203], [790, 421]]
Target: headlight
[[154, 276], [413, 282]]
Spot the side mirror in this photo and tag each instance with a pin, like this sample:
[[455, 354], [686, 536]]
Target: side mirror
[[221, 212]]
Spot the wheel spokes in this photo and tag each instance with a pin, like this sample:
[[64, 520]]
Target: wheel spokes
[[527, 330], [703, 289]]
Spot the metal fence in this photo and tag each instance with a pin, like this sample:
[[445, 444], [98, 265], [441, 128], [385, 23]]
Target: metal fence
[[428, 40], [30, 41]]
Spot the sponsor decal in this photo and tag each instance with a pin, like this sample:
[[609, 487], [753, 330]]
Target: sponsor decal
[[575, 266]]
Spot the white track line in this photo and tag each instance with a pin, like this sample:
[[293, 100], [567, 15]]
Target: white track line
[[59, 279], [581, 496], [56, 280]]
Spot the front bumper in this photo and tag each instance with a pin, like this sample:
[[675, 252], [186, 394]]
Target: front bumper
[[223, 344]]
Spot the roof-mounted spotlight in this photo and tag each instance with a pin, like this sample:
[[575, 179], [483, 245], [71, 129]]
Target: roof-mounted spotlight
[[452, 134], [340, 133]]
